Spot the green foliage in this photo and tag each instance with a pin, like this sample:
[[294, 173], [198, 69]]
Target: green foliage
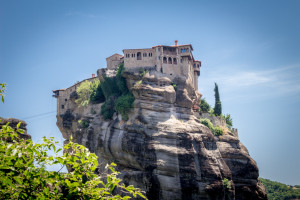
[[204, 106], [107, 109], [124, 104], [2, 90], [23, 174], [280, 191], [216, 130], [84, 92], [226, 184], [218, 104], [110, 87], [121, 81], [117, 94], [228, 120], [96, 95], [84, 123]]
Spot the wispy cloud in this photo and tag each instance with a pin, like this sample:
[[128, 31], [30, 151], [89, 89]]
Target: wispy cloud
[[265, 83], [81, 14]]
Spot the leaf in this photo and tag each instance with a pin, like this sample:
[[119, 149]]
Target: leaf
[[18, 125], [2, 99]]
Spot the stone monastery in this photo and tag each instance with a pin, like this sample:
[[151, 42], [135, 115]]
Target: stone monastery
[[170, 60]]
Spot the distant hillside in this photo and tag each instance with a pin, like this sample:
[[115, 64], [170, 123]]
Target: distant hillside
[[280, 191]]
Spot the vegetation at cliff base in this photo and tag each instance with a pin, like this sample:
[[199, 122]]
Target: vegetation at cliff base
[[216, 130], [280, 191], [2, 90]]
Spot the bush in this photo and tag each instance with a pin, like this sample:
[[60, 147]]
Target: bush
[[97, 95], [124, 104], [107, 109], [228, 120], [206, 122], [23, 174], [216, 130], [204, 106]]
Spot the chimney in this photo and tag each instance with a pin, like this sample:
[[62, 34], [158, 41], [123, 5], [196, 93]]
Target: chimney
[[176, 41], [93, 75]]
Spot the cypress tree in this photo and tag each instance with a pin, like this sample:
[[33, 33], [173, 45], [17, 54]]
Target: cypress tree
[[218, 104]]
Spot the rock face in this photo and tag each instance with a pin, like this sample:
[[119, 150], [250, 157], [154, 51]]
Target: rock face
[[163, 148]]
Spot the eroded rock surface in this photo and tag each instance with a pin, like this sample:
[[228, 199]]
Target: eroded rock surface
[[162, 148]]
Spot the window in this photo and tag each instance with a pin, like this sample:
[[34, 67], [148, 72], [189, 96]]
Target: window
[[180, 60], [174, 61], [62, 106], [150, 54], [181, 50], [66, 99], [194, 65], [170, 60], [138, 56], [184, 50], [187, 50], [171, 74], [198, 66], [164, 60], [158, 57]]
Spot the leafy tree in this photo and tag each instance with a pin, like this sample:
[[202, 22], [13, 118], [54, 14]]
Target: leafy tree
[[107, 109], [124, 104], [218, 105], [121, 81], [23, 174], [2, 90], [96, 95], [204, 106], [228, 120], [84, 93]]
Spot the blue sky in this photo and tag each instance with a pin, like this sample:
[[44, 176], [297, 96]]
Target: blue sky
[[251, 49]]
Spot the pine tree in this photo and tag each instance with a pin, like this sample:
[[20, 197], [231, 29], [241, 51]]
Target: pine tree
[[218, 104]]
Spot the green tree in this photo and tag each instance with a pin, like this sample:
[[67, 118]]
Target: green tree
[[84, 93], [96, 95], [204, 106], [23, 174], [218, 104], [124, 104]]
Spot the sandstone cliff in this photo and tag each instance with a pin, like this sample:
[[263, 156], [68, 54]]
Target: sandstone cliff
[[163, 148]]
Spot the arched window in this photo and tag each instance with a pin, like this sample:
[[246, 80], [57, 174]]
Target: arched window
[[194, 65], [187, 50], [170, 60], [165, 60], [174, 61], [181, 50], [198, 66], [184, 50], [138, 56]]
